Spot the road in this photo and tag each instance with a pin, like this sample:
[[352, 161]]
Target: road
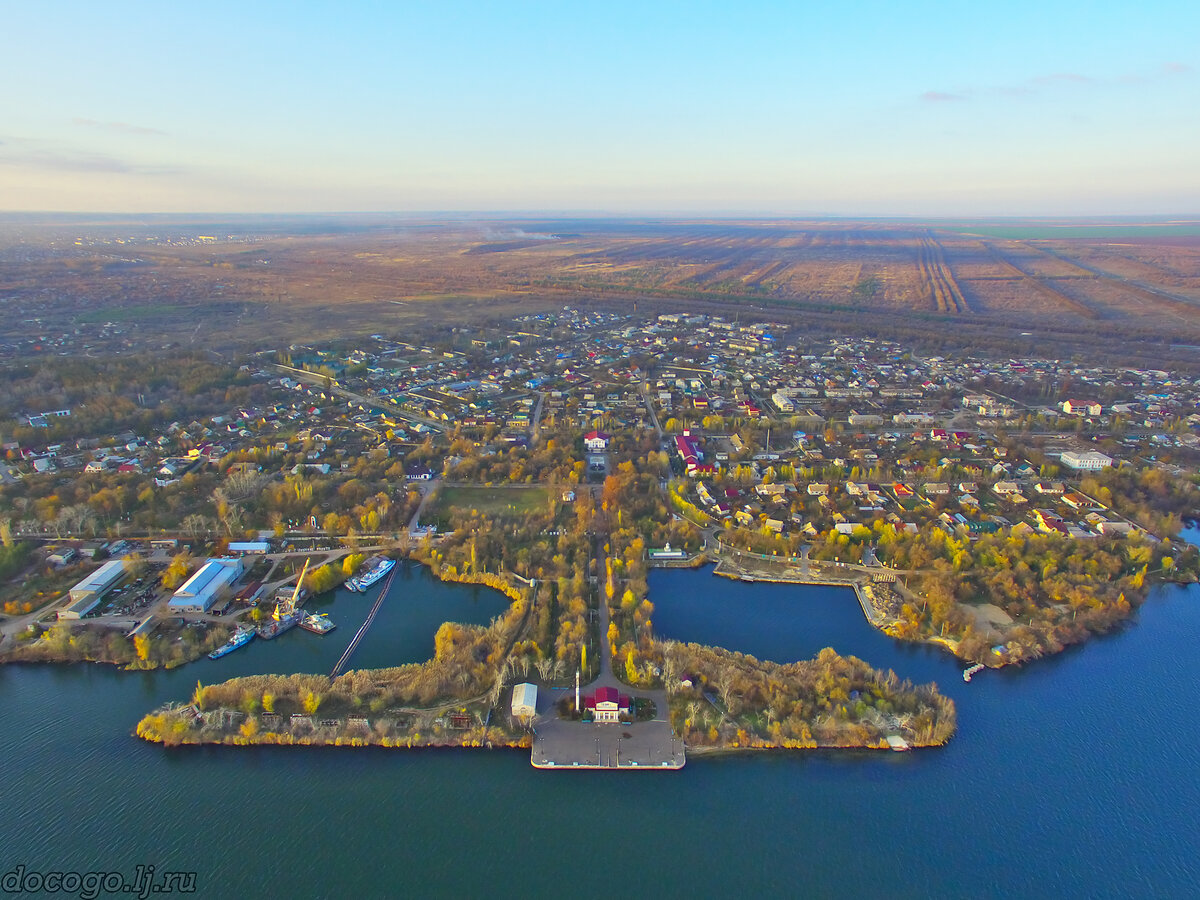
[[334, 387], [537, 417], [429, 488], [560, 743], [650, 407]]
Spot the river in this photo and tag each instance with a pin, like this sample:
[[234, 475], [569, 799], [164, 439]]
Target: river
[[1074, 776]]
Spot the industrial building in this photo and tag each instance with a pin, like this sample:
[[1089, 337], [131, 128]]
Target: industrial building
[[87, 595], [250, 547], [203, 589]]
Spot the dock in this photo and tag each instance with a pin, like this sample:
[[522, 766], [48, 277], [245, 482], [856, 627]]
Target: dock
[[340, 665]]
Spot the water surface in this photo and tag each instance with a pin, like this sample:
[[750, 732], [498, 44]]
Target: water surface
[[1073, 777]]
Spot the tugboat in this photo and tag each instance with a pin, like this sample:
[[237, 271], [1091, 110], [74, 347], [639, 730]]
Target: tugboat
[[318, 623], [287, 615], [241, 637]]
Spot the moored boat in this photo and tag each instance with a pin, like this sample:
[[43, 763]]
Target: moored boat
[[287, 613], [318, 623], [277, 626], [241, 637], [381, 568]]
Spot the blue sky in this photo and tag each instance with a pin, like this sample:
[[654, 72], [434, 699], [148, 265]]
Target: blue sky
[[919, 109]]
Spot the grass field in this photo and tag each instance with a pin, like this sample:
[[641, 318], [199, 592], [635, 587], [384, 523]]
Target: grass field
[[491, 501]]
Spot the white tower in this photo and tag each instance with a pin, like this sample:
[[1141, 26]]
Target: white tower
[[576, 690]]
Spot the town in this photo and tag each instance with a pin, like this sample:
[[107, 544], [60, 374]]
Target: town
[[1002, 508]]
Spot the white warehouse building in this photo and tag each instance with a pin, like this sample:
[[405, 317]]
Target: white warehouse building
[[87, 595], [524, 700], [205, 588]]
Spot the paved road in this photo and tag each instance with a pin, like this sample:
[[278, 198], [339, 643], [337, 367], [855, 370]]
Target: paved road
[[560, 743], [537, 416], [650, 407], [310, 378], [429, 488]]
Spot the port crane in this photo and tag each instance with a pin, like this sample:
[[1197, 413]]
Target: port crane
[[289, 606]]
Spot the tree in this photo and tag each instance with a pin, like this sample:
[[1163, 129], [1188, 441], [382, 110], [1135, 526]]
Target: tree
[[312, 702], [141, 645], [177, 571]]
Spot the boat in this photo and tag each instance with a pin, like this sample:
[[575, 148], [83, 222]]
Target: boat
[[287, 613], [278, 625], [971, 671], [243, 635], [318, 623], [381, 568]]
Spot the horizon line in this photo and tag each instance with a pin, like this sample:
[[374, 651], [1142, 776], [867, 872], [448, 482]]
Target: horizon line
[[1157, 218]]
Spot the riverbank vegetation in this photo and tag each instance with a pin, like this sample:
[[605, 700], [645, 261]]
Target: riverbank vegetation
[[167, 647], [1010, 597], [735, 701], [441, 702]]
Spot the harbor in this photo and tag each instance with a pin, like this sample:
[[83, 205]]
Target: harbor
[[1079, 838], [344, 659]]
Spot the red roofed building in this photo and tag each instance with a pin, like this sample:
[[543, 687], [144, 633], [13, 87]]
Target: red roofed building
[[687, 450], [596, 441], [607, 705]]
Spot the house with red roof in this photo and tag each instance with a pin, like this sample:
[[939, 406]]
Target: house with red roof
[[688, 452]]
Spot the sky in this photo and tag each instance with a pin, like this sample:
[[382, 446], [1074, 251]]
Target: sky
[[657, 107]]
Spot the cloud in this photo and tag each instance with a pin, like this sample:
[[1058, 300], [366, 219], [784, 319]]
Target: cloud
[[32, 154], [122, 127], [1042, 84], [941, 97], [1063, 78]]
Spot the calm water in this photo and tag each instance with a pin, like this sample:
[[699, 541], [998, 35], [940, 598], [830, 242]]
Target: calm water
[[1074, 777]]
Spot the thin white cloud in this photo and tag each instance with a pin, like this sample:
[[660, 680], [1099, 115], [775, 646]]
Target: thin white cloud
[[31, 153], [1040, 84], [941, 97], [121, 127]]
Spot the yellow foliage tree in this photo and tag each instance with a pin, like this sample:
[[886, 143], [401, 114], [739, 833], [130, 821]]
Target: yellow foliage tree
[[631, 672], [177, 571]]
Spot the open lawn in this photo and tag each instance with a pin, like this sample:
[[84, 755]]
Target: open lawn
[[491, 501]]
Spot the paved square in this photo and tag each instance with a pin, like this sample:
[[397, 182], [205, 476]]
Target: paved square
[[563, 744]]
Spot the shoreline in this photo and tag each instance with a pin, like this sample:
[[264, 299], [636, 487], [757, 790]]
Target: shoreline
[[728, 567]]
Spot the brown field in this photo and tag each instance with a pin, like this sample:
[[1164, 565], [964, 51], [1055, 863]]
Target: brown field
[[275, 286]]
